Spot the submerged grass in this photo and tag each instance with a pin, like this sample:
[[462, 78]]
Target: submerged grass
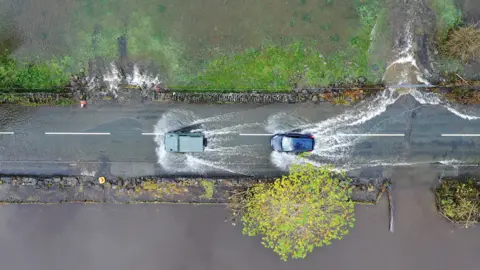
[[31, 75], [448, 16], [280, 67], [144, 42]]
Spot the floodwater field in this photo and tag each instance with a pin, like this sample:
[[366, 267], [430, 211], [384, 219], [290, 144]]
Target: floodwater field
[[214, 44]]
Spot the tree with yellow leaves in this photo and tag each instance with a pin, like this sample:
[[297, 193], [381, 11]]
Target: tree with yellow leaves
[[296, 213]]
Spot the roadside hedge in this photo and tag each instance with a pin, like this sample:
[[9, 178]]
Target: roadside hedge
[[459, 201]]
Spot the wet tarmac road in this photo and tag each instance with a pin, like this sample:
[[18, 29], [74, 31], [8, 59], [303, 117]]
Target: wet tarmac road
[[124, 141]]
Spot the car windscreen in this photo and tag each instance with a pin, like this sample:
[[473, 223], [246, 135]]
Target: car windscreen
[[287, 144]]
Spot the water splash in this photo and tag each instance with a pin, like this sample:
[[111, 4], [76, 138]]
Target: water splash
[[330, 145], [228, 130], [216, 118], [285, 122], [219, 153], [113, 80], [429, 98], [283, 161], [138, 78], [86, 172]]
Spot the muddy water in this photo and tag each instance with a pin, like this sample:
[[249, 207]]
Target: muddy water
[[413, 33], [166, 32], [471, 9]]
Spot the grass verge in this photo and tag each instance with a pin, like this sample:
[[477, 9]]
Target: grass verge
[[28, 75], [448, 16]]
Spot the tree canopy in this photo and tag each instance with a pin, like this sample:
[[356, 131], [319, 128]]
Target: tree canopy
[[296, 213]]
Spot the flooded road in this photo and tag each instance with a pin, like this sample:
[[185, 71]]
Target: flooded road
[[388, 130]]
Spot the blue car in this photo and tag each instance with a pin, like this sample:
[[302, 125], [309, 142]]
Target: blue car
[[293, 142]]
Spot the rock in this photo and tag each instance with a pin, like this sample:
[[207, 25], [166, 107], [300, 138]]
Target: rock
[[305, 91], [70, 181], [29, 181], [444, 90], [57, 179], [315, 98], [48, 181], [40, 184], [119, 182], [6, 180]]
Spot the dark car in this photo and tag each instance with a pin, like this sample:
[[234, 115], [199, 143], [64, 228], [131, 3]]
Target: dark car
[[293, 142]]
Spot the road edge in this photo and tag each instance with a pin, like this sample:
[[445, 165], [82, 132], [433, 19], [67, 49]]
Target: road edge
[[149, 189]]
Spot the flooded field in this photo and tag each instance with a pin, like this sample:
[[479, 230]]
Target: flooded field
[[232, 44], [200, 43]]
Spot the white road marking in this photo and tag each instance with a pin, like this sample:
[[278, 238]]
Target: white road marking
[[340, 134], [373, 135], [77, 133], [7, 133], [251, 134], [460, 135]]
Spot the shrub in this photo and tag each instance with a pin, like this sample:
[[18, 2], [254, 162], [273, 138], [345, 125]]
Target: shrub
[[208, 189], [463, 43], [459, 201], [306, 209], [29, 75]]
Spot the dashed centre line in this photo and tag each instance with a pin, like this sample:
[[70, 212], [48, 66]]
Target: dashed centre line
[[77, 133], [460, 135], [373, 135], [7, 133], [346, 135]]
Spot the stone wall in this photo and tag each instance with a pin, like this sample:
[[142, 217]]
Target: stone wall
[[303, 96], [129, 95], [34, 98], [64, 189]]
